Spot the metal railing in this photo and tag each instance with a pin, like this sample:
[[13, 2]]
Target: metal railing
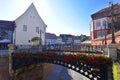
[[76, 48], [118, 55]]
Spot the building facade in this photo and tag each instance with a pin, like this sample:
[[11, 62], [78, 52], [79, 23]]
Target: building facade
[[25, 28], [50, 38], [101, 25], [28, 26], [6, 33]]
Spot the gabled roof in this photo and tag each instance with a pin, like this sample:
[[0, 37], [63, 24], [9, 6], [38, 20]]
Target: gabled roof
[[31, 8], [7, 25]]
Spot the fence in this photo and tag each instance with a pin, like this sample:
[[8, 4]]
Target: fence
[[75, 48], [97, 49]]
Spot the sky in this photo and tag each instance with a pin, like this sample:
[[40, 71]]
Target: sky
[[60, 16]]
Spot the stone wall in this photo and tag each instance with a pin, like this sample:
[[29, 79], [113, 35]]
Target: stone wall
[[33, 72], [4, 67]]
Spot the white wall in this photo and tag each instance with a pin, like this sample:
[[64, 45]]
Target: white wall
[[32, 20]]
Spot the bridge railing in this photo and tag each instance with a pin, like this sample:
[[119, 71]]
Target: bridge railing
[[75, 48], [87, 65], [26, 48]]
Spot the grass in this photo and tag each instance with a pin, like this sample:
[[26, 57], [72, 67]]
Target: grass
[[116, 71]]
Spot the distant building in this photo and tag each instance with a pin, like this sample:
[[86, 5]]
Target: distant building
[[77, 39], [62, 39], [101, 25], [50, 38], [67, 38], [6, 33], [22, 30], [59, 40]]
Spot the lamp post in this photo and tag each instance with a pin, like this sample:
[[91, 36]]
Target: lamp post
[[105, 33], [112, 22], [40, 45]]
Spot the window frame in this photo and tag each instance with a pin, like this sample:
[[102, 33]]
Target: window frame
[[24, 28]]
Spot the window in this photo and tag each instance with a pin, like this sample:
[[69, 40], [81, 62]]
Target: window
[[37, 29], [105, 24], [33, 17], [24, 28], [30, 16], [98, 23], [98, 34]]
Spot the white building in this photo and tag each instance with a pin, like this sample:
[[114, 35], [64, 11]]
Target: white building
[[28, 26]]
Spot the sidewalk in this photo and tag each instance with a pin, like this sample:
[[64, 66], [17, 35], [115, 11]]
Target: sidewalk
[[59, 73]]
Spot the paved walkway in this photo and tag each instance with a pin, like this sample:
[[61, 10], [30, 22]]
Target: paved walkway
[[62, 73], [59, 73]]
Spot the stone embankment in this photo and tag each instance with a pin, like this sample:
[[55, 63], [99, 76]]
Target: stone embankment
[[4, 67], [33, 72]]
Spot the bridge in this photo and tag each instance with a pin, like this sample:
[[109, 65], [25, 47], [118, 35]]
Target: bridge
[[94, 67], [84, 59]]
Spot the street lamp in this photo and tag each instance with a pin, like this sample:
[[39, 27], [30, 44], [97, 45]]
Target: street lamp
[[112, 22], [40, 45], [105, 32]]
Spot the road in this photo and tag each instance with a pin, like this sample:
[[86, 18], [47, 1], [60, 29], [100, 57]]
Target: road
[[62, 73]]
